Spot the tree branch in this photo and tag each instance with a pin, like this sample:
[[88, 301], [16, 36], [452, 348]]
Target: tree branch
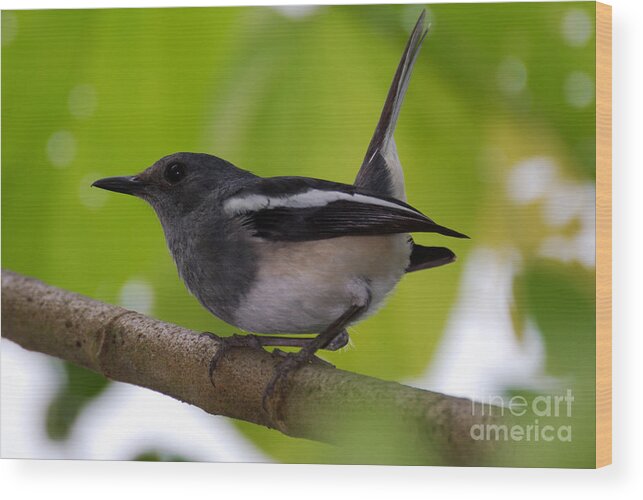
[[318, 402]]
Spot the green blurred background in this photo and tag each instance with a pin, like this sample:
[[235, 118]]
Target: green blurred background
[[496, 137]]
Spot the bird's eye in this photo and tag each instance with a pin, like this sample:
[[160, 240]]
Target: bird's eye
[[174, 172]]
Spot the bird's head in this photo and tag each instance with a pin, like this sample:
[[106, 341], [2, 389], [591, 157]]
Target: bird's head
[[178, 183]]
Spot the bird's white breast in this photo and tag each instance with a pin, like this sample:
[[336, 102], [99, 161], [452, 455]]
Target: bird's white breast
[[303, 287]]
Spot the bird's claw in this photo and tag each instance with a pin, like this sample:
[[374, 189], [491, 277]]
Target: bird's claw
[[291, 361], [225, 344]]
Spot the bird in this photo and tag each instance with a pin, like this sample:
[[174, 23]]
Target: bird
[[293, 255]]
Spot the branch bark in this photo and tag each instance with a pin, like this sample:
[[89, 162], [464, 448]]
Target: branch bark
[[317, 402]]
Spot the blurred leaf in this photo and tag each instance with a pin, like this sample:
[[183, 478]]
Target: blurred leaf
[[562, 302]]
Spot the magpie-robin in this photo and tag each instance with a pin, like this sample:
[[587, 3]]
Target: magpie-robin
[[292, 255]]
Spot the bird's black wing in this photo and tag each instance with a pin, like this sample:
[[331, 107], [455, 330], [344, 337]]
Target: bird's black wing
[[304, 209]]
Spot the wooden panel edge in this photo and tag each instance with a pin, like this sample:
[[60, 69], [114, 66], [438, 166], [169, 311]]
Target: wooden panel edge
[[603, 234]]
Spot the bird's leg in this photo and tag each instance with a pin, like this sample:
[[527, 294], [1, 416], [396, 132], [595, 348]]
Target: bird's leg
[[336, 343], [293, 361], [259, 342]]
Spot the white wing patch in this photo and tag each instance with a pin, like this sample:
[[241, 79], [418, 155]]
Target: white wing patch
[[307, 199]]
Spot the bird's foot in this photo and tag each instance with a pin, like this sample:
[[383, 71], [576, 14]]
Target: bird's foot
[[313, 358], [291, 362], [225, 344]]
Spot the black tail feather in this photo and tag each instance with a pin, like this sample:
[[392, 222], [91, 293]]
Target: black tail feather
[[428, 257]]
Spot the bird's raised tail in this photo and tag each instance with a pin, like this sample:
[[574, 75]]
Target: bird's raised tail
[[381, 171]]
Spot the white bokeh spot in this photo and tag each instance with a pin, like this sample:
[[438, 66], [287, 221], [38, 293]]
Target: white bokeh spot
[[91, 198], [82, 101], [137, 295], [565, 203], [562, 202], [531, 179], [9, 28], [296, 11], [512, 75], [61, 148], [557, 247], [576, 27], [579, 89]]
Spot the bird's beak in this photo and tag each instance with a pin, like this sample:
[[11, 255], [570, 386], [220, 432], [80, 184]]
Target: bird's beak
[[126, 184]]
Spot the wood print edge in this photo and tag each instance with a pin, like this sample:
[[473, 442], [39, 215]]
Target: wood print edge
[[603, 234]]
